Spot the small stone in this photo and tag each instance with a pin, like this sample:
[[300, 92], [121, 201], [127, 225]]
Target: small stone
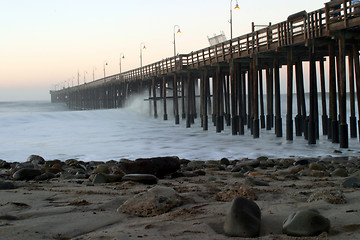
[[155, 201], [237, 175], [45, 176], [225, 161], [339, 172], [5, 185], [142, 178], [243, 219], [351, 182], [26, 174], [99, 178], [255, 182], [316, 166], [36, 159], [211, 179], [302, 162], [101, 169], [305, 223], [262, 158]]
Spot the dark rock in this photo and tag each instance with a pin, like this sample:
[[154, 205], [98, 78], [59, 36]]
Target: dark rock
[[339, 172], [4, 164], [99, 178], [262, 158], [159, 167], [243, 219], [36, 159], [200, 172], [225, 161], [177, 175], [142, 178], [351, 182], [291, 177], [45, 176], [306, 223], [302, 162], [316, 166], [255, 182], [26, 174], [5, 185], [155, 201]]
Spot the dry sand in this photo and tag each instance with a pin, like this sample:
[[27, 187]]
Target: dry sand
[[78, 209]]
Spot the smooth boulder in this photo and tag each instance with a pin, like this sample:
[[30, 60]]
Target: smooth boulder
[[26, 174], [159, 166], [305, 223], [243, 219]]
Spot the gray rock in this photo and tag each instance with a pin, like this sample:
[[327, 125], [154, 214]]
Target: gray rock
[[142, 178], [224, 161], [5, 185], [159, 166], [26, 174], [255, 182], [339, 172], [99, 179], [305, 223], [45, 176], [351, 182], [243, 219], [36, 159], [155, 201]]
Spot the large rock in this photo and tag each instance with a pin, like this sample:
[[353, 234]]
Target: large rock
[[243, 219], [5, 185], [155, 201], [305, 223], [36, 159], [351, 182], [159, 166], [142, 178], [26, 174]]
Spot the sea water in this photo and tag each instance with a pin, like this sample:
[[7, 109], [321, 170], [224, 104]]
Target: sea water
[[55, 132]]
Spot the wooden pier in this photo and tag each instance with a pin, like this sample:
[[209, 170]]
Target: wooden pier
[[235, 78]]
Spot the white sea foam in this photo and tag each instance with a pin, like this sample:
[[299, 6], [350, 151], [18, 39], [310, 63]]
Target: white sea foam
[[101, 135]]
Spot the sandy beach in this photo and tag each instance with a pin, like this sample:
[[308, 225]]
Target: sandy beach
[[73, 205]]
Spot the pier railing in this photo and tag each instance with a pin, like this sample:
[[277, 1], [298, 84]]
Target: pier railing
[[296, 29]]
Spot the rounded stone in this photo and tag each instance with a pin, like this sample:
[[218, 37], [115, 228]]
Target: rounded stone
[[99, 179], [339, 172], [5, 185], [36, 159], [26, 174], [351, 182], [305, 223], [317, 166], [142, 178], [243, 218]]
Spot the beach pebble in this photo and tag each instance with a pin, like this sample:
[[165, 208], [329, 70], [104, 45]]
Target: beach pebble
[[225, 161], [316, 166], [99, 178], [243, 218], [142, 178], [301, 162], [155, 201], [255, 182], [159, 166], [26, 174], [36, 159], [45, 176], [101, 169], [5, 185], [339, 172], [305, 223], [351, 182]]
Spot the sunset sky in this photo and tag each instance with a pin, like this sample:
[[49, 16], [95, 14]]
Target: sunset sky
[[44, 43]]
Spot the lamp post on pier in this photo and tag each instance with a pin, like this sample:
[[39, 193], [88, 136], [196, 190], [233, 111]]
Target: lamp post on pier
[[121, 56], [236, 8], [105, 64], [178, 31], [142, 46]]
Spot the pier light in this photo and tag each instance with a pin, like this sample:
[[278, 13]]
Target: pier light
[[105, 64], [142, 47], [236, 8], [178, 31], [121, 56]]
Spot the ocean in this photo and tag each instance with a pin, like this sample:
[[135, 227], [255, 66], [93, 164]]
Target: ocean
[[55, 132]]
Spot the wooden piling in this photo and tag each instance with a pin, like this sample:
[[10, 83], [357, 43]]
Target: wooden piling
[[269, 98], [353, 130], [154, 96], [164, 97], [289, 121], [332, 96], [312, 77], [278, 119], [262, 111], [205, 101], [176, 100], [323, 98], [343, 129], [355, 50], [255, 105]]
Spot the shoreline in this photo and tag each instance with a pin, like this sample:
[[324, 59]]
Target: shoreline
[[90, 200]]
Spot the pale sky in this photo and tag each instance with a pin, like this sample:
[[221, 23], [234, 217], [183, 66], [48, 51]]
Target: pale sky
[[46, 42]]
